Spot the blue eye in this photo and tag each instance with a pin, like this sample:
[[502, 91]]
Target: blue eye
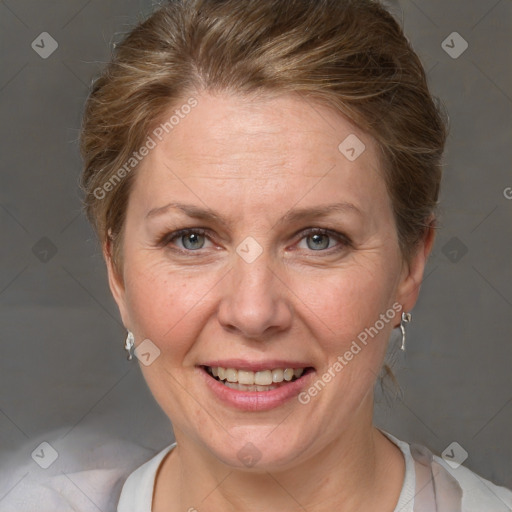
[[317, 240], [321, 239], [191, 239]]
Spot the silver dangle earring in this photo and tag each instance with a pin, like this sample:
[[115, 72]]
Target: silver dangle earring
[[129, 343], [406, 318]]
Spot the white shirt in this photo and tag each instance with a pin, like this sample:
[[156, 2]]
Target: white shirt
[[123, 478], [479, 495]]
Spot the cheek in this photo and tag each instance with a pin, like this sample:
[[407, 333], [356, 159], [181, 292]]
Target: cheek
[[172, 306], [344, 301], [167, 305]]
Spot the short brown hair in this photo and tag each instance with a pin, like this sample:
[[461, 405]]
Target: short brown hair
[[348, 54]]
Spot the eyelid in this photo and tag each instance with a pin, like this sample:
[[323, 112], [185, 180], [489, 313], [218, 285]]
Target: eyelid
[[167, 238], [343, 240]]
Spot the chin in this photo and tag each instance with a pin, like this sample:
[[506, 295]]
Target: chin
[[259, 449]]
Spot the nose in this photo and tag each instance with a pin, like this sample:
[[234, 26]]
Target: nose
[[255, 301]]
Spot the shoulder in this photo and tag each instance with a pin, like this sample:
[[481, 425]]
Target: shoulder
[[478, 493], [81, 476]]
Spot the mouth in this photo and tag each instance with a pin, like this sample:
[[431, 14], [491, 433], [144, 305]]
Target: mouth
[[259, 381]]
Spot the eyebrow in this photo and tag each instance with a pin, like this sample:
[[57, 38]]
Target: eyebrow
[[292, 216]]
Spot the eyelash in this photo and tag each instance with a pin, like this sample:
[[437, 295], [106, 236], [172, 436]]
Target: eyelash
[[343, 240]]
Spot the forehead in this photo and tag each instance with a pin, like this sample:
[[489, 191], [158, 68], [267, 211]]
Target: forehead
[[290, 148]]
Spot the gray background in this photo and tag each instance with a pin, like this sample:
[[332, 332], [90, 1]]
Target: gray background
[[64, 377]]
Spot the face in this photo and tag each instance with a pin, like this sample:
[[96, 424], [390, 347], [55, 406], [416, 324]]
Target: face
[[259, 276]]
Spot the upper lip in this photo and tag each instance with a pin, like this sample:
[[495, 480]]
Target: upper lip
[[255, 366]]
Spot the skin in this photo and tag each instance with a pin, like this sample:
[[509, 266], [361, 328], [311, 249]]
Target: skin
[[252, 160]]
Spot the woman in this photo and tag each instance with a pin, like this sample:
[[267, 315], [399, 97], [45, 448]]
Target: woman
[[263, 177]]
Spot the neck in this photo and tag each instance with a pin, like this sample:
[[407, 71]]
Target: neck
[[351, 472]]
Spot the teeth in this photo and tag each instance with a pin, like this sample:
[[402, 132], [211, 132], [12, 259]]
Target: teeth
[[277, 375], [243, 387], [247, 378], [255, 379], [231, 375]]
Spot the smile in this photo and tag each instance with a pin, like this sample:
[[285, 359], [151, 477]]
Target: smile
[[245, 380], [254, 397]]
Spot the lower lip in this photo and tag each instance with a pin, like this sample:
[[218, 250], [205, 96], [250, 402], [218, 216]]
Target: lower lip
[[256, 400]]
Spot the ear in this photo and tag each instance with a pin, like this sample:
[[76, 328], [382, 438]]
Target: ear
[[116, 282], [412, 273]]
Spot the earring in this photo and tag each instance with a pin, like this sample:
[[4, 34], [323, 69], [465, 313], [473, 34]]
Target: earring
[[128, 345], [406, 318]]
